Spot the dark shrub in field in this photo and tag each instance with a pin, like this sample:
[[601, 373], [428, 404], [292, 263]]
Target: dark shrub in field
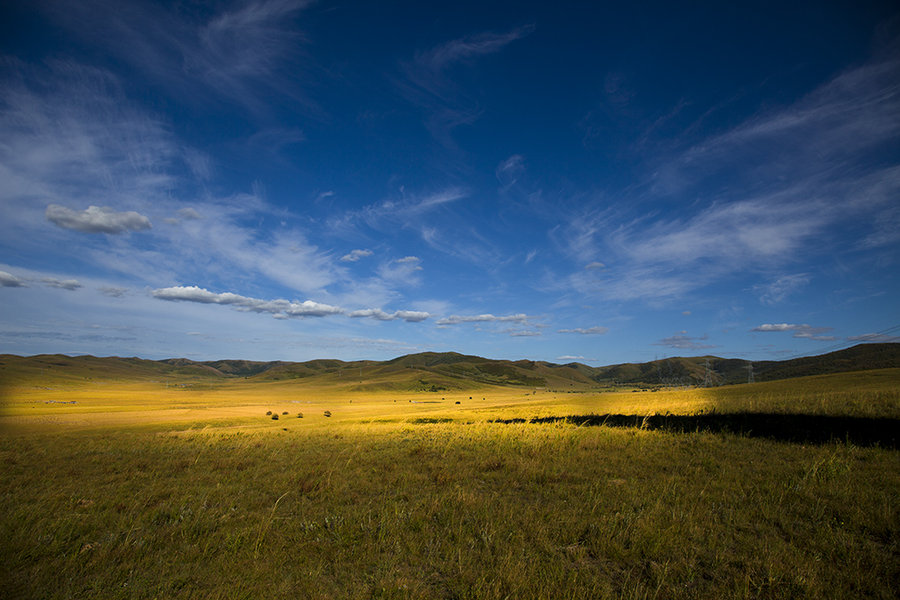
[[327, 413], [268, 412], [299, 415], [285, 412], [274, 417]]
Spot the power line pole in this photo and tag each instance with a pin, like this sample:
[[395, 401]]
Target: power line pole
[[750, 378], [707, 379]]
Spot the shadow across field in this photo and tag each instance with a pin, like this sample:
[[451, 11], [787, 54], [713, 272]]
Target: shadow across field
[[810, 429]]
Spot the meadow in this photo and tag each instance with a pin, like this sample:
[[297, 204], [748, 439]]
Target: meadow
[[187, 488]]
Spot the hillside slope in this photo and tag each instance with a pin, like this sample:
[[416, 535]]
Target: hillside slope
[[437, 371]]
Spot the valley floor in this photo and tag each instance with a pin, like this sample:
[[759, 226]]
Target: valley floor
[[411, 496]]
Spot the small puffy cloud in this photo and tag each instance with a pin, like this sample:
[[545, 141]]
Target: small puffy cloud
[[63, 284], [278, 308], [684, 342], [597, 330], [355, 255], [10, 280], [767, 327], [486, 318], [410, 316], [593, 266], [184, 214], [113, 292], [408, 260], [567, 357], [96, 219], [522, 333], [686, 313], [799, 331], [875, 337]]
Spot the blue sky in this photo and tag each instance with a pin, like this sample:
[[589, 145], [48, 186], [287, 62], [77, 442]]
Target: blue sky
[[286, 180]]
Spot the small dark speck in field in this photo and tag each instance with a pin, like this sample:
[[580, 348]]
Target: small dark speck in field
[[284, 413]]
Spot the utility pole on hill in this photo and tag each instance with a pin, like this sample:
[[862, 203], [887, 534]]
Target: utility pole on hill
[[750, 378], [707, 379]]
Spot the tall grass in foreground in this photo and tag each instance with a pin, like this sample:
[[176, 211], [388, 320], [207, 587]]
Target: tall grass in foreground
[[443, 510]]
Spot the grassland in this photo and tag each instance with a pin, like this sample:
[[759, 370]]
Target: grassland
[[154, 488]]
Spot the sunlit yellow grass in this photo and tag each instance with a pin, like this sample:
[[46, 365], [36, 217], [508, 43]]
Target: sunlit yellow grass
[[245, 403], [146, 490]]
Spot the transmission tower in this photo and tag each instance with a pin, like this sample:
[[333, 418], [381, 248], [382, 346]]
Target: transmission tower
[[750, 378], [707, 379]]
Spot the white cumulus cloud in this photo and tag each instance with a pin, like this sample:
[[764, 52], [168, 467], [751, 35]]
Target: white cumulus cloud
[[597, 330], [799, 330], [278, 308], [410, 316], [486, 318], [64, 284], [355, 255]]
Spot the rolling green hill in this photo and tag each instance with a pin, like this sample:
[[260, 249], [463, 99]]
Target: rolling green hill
[[437, 371]]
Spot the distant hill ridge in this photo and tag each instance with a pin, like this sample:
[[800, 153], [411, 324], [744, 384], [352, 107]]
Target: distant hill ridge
[[435, 371]]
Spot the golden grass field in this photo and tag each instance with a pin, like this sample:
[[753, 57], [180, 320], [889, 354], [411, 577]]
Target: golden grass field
[[186, 488]]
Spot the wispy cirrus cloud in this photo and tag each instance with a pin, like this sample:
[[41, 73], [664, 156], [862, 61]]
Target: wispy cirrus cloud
[[781, 288], [791, 182], [438, 59], [509, 171], [428, 84], [243, 54], [410, 211], [436, 217], [96, 219], [69, 131], [875, 338]]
